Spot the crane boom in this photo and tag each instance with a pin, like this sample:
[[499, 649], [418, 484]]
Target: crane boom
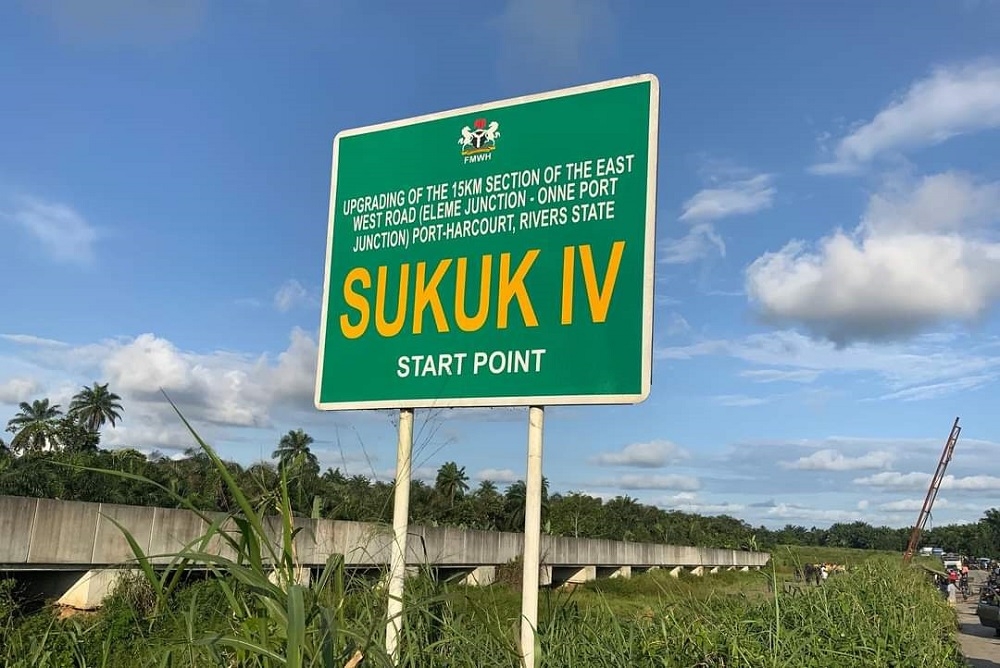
[[925, 511]]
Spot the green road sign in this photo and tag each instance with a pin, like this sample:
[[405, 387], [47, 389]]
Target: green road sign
[[496, 255]]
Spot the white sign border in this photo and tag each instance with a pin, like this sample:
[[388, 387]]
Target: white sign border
[[649, 264]]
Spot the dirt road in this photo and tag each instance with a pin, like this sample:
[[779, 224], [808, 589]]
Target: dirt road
[[979, 644]]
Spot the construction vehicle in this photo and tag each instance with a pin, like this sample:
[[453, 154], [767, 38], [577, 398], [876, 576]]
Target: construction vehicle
[[925, 511]]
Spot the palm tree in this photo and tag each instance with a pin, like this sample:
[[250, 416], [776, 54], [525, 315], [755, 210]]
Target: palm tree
[[34, 425], [489, 506], [487, 489], [451, 481], [93, 406], [515, 499], [293, 450]]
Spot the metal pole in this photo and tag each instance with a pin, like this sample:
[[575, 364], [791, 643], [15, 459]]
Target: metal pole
[[400, 525], [532, 536], [932, 491]]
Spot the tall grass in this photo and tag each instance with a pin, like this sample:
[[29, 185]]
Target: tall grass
[[239, 596], [880, 614], [278, 614]]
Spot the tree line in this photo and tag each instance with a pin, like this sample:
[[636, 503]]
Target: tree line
[[59, 455]]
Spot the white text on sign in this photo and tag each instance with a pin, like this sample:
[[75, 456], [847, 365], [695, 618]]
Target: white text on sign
[[520, 201], [494, 362]]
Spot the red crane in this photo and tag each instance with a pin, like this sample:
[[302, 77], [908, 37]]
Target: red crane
[[949, 448]]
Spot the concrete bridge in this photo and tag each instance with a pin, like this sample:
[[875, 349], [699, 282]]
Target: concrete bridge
[[79, 549]]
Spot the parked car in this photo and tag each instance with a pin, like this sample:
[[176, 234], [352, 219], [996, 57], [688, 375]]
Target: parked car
[[988, 609]]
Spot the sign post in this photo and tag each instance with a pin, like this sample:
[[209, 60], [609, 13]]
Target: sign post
[[532, 535], [400, 527], [494, 255]]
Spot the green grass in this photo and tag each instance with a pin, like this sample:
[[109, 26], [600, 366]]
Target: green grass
[[880, 614], [253, 611], [788, 557]]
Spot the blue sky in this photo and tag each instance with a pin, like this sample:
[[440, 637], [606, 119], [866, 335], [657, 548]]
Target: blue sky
[[828, 256]]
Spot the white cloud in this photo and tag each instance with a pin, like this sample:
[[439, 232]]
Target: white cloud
[[951, 101], [832, 460], [790, 511], [124, 21], [64, 234], [916, 451], [930, 359], [553, 37], [689, 502], [214, 390], [915, 504], [16, 390], [780, 375], [653, 454], [677, 325], [289, 295], [603, 496], [739, 400], [679, 497], [634, 481], [932, 390], [346, 461], [732, 193], [28, 339], [756, 473], [731, 199], [920, 256], [701, 241], [939, 203], [908, 505], [143, 429], [921, 481], [499, 476], [972, 483], [665, 300]]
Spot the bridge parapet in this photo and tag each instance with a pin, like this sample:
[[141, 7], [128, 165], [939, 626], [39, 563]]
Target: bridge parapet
[[51, 534]]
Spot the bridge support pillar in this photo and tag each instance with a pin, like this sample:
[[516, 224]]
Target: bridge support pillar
[[675, 572], [89, 592], [715, 569], [302, 576], [481, 576], [382, 582], [573, 575], [698, 571], [744, 569], [614, 572]]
